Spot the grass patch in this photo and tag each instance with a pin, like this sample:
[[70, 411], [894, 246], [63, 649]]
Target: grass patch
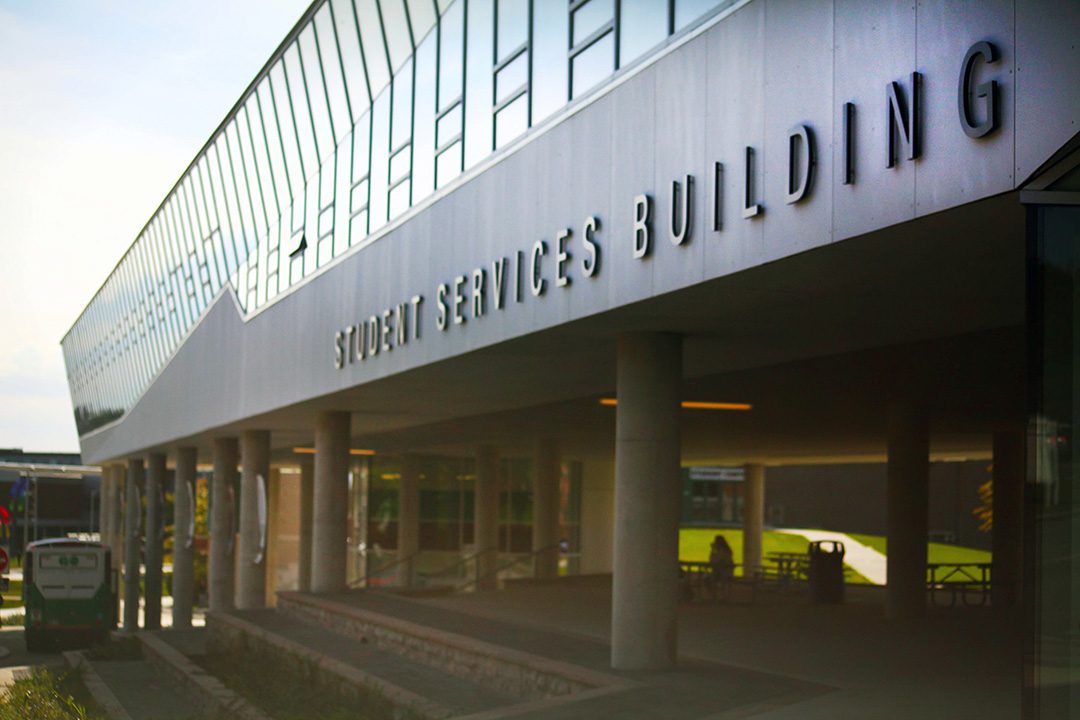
[[289, 687], [15, 620], [46, 695], [13, 595]]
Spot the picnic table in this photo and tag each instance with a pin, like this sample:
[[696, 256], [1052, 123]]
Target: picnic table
[[790, 566], [969, 582]]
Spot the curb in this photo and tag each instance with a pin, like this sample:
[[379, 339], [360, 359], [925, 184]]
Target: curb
[[519, 673], [397, 696], [191, 678], [97, 688]]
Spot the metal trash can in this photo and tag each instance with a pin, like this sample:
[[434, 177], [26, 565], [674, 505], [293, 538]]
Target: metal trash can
[[826, 571]]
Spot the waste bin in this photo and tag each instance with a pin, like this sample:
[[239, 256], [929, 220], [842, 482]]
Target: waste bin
[[826, 571]]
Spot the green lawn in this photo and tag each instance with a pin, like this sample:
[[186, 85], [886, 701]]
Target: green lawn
[[13, 596], [694, 545], [937, 552]]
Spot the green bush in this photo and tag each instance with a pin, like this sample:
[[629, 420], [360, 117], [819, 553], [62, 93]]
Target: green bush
[[43, 696]]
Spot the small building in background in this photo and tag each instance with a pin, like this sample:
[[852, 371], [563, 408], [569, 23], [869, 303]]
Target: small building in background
[[48, 495]]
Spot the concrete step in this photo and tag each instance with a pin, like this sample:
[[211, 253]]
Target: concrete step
[[135, 690], [517, 661], [393, 684]]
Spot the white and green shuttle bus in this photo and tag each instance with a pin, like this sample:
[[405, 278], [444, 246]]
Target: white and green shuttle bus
[[69, 592]]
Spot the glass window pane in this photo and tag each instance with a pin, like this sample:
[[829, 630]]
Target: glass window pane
[[399, 164], [551, 25], [512, 77], [294, 78], [279, 94], [513, 25], [402, 110], [479, 79], [349, 42], [423, 170], [449, 125], [451, 55], [511, 121], [643, 26], [399, 199], [326, 44], [687, 11], [316, 93], [268, 124], [380, 151], [594, 65], [448, 165], [590, 17], [398, 33], [374, 47]]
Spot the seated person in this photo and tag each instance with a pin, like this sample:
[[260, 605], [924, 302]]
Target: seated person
[[721, 559]]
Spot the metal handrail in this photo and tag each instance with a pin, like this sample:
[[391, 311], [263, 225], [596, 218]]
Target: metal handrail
[[505, 566], [464, 561], [366, 580]]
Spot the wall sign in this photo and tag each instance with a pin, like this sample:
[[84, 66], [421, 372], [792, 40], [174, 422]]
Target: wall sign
[[577, 252]]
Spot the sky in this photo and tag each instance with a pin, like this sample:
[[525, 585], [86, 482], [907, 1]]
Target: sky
[[103, 103]]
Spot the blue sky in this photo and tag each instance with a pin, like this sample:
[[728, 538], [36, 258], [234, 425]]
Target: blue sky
[[102, 104]]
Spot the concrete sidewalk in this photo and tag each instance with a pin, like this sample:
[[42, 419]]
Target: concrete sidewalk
[[864, 559]]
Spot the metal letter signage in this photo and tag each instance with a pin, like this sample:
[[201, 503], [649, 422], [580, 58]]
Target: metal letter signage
[[967, 92], [801, 155], [903, 119], [750, 208], [490, 288]]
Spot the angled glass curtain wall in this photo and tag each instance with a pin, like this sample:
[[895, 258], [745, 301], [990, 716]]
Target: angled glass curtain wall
[[369, 108]]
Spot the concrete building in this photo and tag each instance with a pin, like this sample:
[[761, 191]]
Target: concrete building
[[438, 248]]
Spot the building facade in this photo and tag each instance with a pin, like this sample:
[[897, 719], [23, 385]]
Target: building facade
[[628, 236]]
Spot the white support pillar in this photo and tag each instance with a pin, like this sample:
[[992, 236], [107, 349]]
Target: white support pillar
[[251, 551], [753, 516], [486, 516], [908, 490], [307, 493], [408, 529], [647, 496], [222, 528], [1007, 534], [132, 547], [547, 471], [183, 579], [330, 503]]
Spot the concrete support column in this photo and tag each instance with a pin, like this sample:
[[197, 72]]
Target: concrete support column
[[408, 530], [183, 579], [486, 516], [330, 502], [307, 498], [908, 490], [1008, 529], [111, 522], [251, 555], [116, 517], [132, 547], [753, 516], [647, 497], [104, 492], [547, 471], [155, 481], [222, 532]]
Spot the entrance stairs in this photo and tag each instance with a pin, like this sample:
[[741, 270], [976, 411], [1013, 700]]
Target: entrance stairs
[[432, 662]]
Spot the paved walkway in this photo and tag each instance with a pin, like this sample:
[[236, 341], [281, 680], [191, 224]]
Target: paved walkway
[[144, 693], [864, 559]]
